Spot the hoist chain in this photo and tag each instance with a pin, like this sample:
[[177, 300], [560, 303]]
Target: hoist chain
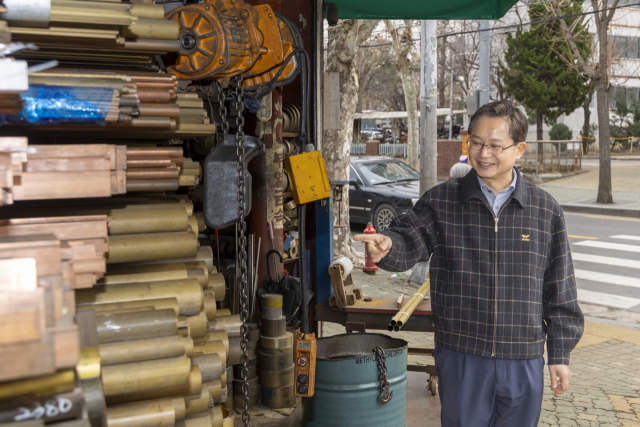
[[241, 272], [385, 394]]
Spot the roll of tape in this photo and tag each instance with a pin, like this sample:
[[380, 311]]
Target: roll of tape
[[345, 263]]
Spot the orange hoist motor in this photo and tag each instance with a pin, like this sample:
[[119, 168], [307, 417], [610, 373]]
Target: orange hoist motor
[[223, 38]]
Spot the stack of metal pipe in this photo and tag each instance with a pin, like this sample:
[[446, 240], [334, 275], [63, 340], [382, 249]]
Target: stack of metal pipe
[[108, 32], [153, 168], [277, 374], [163, 342]]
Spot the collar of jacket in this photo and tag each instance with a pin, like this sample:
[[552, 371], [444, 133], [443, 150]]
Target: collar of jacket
[[471, 189]]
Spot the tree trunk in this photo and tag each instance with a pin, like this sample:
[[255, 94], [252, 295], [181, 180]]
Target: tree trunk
[[404, 54], [586, 124], [605, 195], [539, 137], [442, 61], [344, 40]]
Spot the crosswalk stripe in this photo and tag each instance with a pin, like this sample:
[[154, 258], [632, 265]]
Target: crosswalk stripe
[[606, 299], [624, 236], [608, 245], [597, 259], [612, 279]]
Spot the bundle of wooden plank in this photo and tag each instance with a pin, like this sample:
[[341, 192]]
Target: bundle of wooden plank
[[42, 261], [71, 171], [12, 157], [105, 32]]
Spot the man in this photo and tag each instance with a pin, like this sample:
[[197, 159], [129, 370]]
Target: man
[[502, 280]]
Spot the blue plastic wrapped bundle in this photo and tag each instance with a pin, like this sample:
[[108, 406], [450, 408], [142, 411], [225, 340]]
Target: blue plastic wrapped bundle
[[62, 104]]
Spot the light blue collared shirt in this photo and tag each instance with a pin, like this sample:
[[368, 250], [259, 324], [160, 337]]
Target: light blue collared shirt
[[496, 201]]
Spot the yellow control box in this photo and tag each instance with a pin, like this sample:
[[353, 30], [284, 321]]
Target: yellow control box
[[308, 175], [305, 363]]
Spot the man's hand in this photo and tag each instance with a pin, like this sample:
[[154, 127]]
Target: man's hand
[[376, 245], [560, 375]]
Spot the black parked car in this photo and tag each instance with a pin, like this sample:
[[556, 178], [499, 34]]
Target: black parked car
[[380, 189]]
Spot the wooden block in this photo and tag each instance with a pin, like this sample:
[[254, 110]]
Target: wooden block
[[21, 323], [44, 248], [28, 359], [112, 157], [338, 286], [87, 327], [357, 292], [121, 157], [18, 275], [400, 301], [90, 266], [63, 227], [67, 164], [84, 281], [66, 345], [63, 185], [73, 150], [118, 182]]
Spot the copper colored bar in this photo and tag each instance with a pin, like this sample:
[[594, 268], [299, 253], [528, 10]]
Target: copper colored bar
[[163, 123], [153, 185], [148, 163], [159, 110], [157, 85], [153, 152], [151, 173], [150, 95]]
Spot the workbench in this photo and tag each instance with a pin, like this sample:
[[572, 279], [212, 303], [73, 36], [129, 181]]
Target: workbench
[[376, 314]]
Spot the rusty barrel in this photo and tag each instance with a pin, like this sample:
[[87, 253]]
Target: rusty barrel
[[347, 389]]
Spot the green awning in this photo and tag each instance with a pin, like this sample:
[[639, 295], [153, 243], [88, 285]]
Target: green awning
[[423, 9]]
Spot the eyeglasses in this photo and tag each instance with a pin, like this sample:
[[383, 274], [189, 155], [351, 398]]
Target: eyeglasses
[[493, 148]]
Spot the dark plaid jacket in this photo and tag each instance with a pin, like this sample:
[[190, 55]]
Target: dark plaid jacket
[[499, 286]]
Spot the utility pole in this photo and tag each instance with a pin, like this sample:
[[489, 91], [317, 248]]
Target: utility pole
[[485, 52], [428, 106]]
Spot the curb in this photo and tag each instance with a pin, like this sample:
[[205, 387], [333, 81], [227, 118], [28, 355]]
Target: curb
[[600, 210]]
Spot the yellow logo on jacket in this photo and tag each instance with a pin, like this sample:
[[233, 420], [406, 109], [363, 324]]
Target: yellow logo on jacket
[[525, 237]]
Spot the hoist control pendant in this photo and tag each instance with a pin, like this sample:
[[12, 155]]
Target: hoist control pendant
[[223, 38], [369, 266]]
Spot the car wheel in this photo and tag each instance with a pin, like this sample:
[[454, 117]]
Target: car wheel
[[383, 216]]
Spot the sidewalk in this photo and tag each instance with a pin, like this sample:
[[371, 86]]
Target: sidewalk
[[580, 191], [605, 386]]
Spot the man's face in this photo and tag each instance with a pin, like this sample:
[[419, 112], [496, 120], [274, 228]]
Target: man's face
[[492, 163]]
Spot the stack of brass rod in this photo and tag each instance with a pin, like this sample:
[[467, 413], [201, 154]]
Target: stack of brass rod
[[159, 289], [398, 321], [277, 376], [154, 168], [76, 31]]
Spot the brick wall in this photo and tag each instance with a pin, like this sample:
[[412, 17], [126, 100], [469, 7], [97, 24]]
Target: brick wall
[[449, 153], [372, 148]]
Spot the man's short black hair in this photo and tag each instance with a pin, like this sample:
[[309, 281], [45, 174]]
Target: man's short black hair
[[516, 119]]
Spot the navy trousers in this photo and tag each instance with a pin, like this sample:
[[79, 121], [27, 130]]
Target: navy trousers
[[479, 391]]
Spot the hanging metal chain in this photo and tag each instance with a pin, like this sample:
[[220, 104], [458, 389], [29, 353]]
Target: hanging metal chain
[[242, 252], [385, 394], [224, 124]]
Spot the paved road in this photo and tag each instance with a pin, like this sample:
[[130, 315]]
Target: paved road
[[606, 255]]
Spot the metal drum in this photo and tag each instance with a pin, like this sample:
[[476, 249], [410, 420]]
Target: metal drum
[[347, 388]]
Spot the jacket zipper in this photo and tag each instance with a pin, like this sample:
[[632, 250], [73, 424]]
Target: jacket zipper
[[495, 273]]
